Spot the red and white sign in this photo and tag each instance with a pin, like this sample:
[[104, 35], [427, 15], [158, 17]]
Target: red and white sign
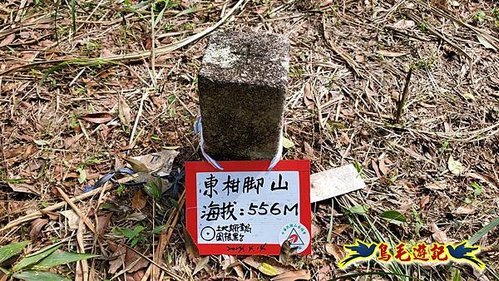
[[245, 209]]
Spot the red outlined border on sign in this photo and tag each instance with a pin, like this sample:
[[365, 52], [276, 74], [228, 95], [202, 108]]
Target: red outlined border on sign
[[191, 168]]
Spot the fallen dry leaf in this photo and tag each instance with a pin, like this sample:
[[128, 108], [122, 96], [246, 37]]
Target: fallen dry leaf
[[316, 230], [382, 167], [136, 276], [72, 217], [308, 150], [23, 188], [231, 262], [324, 273], [286, 253], [308, 96], [267, 264], [437, 185], [424, 201], [391, 54], [201, 264], [301, 274], [97, 118], [227, 261], [7, 40], [484, 41], [438, 235], [464, 210], [11, 153], [487, 179], [139, 200], [36, 228], [338, 229], [335, 250], [159, 162], [124, 111], [344, 139], [455, 167], [102, 223], [190, 247], [404, 24], [268, 269], [138, 262], [375, 168], [118, 259]]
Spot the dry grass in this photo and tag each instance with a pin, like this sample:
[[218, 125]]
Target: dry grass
[[349, 63]]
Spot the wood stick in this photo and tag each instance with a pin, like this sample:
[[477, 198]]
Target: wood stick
[[164, 239], [38, 214], [77, 210], [403, 97]]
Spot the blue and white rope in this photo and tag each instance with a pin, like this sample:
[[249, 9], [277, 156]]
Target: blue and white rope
[[198, 129]]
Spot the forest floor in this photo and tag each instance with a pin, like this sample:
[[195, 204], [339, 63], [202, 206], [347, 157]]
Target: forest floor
[[86, 84]]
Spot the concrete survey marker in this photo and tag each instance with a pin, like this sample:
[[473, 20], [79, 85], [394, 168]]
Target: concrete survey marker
[[242, 89]]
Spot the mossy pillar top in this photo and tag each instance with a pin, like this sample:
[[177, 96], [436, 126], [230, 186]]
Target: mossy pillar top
[[242, 90]]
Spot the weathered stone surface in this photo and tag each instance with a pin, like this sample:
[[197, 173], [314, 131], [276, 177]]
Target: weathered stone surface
[[242, 88]]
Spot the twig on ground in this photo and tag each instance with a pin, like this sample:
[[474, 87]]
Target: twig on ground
[[139, 113], [82, 266], [444, 13], [433, 31], [349, 61], [164, 239], [168, 271], [38, 214], [75, 208], [403, 97]]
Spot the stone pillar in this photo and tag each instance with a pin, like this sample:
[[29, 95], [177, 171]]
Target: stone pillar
[[242, 90]]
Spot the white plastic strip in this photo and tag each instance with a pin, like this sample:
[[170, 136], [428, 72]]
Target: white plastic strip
[[198, 129]]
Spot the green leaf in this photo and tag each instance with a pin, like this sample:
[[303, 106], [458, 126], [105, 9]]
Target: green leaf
[[82, 177], [158, 229], [480, 233], [478, 189], [58, 258], [457, 275], [129, 233], [39, 276], [358, 209], [36, 257], [153, 190], [287, 143], [393, 216], [8, 251], [187, 11]]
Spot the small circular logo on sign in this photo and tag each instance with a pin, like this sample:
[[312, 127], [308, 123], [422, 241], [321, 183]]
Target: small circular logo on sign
[[297, 235], [208, 233]]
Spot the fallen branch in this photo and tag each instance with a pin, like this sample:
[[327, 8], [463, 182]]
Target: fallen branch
[[75, 208], [39, 214]]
